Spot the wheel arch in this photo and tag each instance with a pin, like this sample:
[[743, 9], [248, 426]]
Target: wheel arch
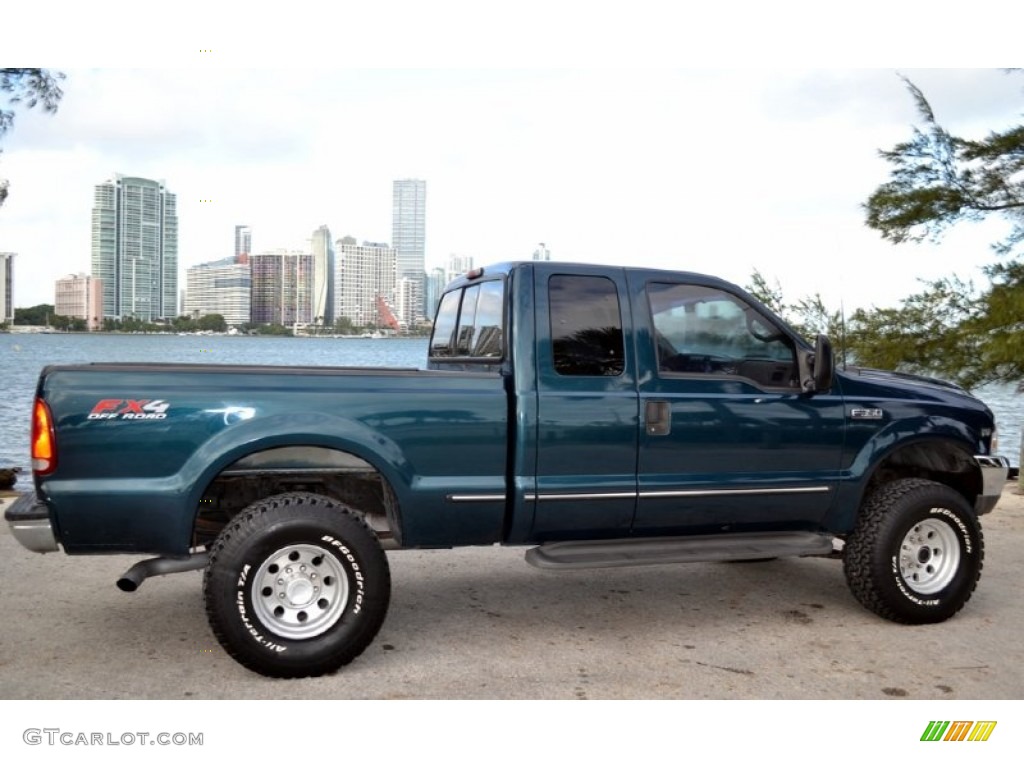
[[941, 458], [297, 464]]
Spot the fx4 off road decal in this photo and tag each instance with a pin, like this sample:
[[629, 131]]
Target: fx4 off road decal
[[129, 410]]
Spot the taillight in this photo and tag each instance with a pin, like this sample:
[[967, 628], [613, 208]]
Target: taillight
[[44, 446]]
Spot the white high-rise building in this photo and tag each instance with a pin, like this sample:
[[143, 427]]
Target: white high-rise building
[[541, 253], [408, 238], [221, 287], [135, 248], [364, 274], [7, 287]]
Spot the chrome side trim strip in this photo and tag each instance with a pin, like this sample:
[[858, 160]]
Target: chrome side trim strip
[[578, 496], [472, 497], [673, 494], [734, 492]]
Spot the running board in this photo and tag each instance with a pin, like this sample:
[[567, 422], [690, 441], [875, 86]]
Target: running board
[[614, 553]]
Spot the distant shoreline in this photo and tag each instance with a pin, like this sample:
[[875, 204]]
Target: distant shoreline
[[26, 330]]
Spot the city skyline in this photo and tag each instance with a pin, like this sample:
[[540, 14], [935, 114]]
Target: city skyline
[[225, 286], [718, 171]]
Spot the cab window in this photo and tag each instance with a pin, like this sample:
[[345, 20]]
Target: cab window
[[586, 326], [701, 330]]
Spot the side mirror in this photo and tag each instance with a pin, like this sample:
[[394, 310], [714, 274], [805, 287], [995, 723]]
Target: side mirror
[[823, 365], [816, 368]]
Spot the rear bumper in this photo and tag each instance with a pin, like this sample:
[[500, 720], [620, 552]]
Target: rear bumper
[[994, 471], [29, 520]]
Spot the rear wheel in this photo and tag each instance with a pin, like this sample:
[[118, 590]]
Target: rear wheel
[[297, 586], [916, 553]]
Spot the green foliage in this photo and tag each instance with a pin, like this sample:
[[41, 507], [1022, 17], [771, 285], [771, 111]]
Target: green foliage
[[266, 329], [950, 329], [769, 295], [809, 316], [185, 324], [40, 314], [131, 325], [938, 180], [927, 335], [345, 327], [214, 322], [64, 323]]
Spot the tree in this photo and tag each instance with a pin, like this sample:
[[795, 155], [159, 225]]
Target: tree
[[939, 180], [27, 87], [809, 316], [213, 322], [40, 314], [926, 335]]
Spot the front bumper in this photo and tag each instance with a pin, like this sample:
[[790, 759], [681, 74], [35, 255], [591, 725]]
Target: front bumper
[[994, 471], [29, 520]]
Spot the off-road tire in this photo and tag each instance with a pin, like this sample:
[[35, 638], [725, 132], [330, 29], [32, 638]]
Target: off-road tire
[[297, 586], [915, 555]]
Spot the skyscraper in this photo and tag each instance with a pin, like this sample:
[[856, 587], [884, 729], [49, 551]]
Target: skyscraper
[[408, 238], [323, 276], [6, 287], [365, 277], [243, 240], [135, 248], [282, 285]]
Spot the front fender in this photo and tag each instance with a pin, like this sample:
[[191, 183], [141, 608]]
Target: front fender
[[937, 444]]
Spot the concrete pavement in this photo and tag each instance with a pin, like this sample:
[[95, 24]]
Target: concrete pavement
[[481, 623]]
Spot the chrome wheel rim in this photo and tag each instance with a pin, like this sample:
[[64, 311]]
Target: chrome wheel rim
[[300, 591], [929, 556]]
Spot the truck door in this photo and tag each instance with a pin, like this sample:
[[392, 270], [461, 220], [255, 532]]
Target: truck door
[[587, 403], [728, 440]]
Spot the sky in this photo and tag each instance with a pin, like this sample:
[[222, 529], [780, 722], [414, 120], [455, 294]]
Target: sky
[[637, 160]]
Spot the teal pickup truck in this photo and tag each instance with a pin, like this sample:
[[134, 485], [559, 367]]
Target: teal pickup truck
[[600, 415]]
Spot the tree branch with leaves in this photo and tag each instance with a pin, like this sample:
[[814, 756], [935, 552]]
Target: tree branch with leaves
[[938, 180], [26, 88]]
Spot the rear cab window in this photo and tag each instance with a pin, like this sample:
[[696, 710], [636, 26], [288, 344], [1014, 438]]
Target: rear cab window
[[470, 326]]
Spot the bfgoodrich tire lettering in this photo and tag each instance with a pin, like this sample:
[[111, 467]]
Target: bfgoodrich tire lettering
[[297, 586], [916, 553]]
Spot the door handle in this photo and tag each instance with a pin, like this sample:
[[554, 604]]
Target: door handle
[[657, 417]]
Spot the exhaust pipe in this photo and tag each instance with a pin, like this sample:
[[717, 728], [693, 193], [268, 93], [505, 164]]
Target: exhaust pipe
[[160, 566]]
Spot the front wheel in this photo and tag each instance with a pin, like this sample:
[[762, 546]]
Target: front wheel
[[916, 553], [297, 586]]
